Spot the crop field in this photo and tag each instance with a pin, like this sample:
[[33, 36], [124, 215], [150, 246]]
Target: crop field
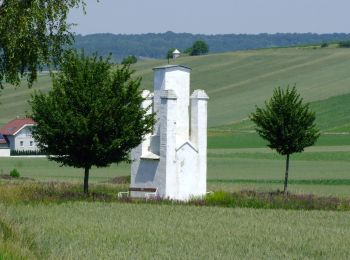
[[237, 81], [238, 159], [41, 169], [83, 230], [235, 162]]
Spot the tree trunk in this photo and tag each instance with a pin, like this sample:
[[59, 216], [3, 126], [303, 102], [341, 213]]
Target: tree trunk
[[285, 189], [86, 180]]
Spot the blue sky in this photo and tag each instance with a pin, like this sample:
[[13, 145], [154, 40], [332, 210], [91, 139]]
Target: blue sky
[[213, 17]]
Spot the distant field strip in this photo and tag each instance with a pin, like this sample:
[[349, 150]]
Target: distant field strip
[[281, 181], [314, 149], [232, 139], [307, 156]]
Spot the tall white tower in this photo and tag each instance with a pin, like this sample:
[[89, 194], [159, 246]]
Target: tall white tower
[[173, 160]]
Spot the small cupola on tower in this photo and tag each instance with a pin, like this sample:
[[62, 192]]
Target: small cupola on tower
[[176, 54]]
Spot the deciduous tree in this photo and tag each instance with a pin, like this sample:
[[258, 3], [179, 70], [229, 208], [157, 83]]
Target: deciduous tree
[[169, 54], [199, 47], [287, 124], [33, 33], [92, 116], [131, 59]]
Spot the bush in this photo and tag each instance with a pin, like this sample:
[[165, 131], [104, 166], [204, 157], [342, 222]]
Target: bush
[[15, 173], [27, 152], [131, 59], [169, 54], [199, 47], [324, 45], [345, 44]]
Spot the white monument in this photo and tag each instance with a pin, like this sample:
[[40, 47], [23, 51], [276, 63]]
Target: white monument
[[172, 161], [176, 54]]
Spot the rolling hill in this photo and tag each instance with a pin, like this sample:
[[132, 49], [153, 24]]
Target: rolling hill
[[156, 45], [237, 81]]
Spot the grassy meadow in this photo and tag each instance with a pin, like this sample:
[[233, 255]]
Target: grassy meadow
[[237, 160], [233, 164], [97, 230], [237, 81]]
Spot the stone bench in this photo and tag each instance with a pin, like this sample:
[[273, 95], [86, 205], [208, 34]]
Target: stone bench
[[149, 192]]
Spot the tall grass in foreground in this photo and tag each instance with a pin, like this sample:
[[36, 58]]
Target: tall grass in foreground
[[14, 245], [274, 200], [57, 221], [56, 192], [34, 193], [82, 230]]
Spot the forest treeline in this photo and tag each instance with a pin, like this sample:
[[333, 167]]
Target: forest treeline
[[156, 45]]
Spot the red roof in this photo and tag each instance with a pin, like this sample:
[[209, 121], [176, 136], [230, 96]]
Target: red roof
[[15, 125]]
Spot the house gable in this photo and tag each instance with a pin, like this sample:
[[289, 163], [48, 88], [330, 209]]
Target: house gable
[[18, 134], [14, 126]]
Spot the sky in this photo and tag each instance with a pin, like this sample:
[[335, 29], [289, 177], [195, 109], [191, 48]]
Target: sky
[[212, 17]]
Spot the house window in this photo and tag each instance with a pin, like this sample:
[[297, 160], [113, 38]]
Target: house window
[[21, 143], [31, 143]]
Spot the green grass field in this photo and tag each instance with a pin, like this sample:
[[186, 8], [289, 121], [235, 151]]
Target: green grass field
[[41, 169], [237, 160], [322, 169], [128, 231], [237, 81]]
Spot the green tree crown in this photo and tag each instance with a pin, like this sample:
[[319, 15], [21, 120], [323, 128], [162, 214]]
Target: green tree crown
[[131, 59], [286, 123], [169, 54], [32, 34], [199, 47], [93, 114]]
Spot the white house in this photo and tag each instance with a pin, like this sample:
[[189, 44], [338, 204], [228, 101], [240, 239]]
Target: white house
[[18, 134], [172, 161]]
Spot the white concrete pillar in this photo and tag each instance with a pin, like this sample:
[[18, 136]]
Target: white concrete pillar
[[167, 166], [142, 148], [177, 78], [159, 85], [199, 103], [147, 105]]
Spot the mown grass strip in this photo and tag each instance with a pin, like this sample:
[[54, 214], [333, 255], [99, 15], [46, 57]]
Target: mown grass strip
[[304, 182], [307, 156], [227, 139]]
